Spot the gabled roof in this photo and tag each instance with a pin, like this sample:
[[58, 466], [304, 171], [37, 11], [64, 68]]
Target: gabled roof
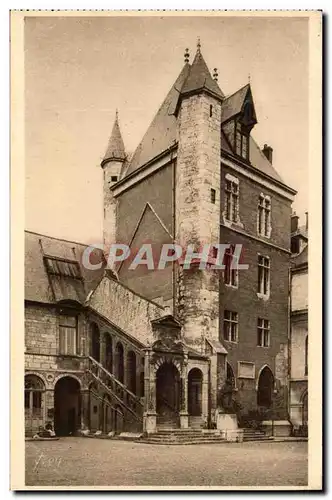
[[162, 133], [233, 104], [115, 148], [46, 287]]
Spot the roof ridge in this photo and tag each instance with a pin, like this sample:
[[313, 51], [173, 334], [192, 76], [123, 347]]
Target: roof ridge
[[236, 91], [55, 238]]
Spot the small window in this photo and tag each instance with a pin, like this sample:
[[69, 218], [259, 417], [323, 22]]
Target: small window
[[114, 178], [213, 195], [230, 326], [211, 110], [263, 332]]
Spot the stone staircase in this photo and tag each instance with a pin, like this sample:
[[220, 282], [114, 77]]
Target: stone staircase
[[130, 404], [255, 435], [183, 436]]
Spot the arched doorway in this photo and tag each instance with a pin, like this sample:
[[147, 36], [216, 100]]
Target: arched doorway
[[95, 342], [195, 379], [265, 388], [67, 404], [131, 371], [119, 365], [34, 389], [108, 353], [168, 394]]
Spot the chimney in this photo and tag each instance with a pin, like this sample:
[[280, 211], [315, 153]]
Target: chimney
[[294, 222], [268, 151], [306, 220]]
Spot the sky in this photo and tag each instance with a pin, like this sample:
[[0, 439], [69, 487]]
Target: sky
[[78, 70]]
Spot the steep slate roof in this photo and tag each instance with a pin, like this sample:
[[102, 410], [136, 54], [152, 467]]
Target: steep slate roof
[[162, 133], [232, 105], [115, 148], [40, 286], [200, 78]]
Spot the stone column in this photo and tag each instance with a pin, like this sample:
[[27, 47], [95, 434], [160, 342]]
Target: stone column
[[125, 365], [102, 348], [150, 400], [48, 403], [184, 417], [85, 409]]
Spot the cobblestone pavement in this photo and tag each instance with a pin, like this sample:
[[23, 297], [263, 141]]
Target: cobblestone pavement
[[88, 462]]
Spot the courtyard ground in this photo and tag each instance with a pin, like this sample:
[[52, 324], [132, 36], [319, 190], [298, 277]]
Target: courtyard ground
[[97, 462]]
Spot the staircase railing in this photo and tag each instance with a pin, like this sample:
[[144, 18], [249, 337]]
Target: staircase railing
[[116, 389]]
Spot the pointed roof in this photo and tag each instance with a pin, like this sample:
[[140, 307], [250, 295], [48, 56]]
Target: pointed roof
[[162, 133], [115, 149], [200, 77], [233, 104]]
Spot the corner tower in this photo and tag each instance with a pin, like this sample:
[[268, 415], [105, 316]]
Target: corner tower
[[198, 201], [112, 164], [198, 196]]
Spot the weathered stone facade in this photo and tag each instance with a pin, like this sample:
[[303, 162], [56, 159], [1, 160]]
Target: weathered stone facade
[[138, 349]]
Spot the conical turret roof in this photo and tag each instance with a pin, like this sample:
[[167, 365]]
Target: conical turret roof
[[115, 149]]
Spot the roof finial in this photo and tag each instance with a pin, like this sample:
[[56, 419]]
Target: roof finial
[[186, 56], [248, 77], [116, 114], [215, 74], [198, 45]]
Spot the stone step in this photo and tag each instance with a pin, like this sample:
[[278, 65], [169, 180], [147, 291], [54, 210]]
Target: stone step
[[202, 440]]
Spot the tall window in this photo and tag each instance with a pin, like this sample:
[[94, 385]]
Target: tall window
[[306, 356], [230, 326], [68, 335], [263, 332], [33, 390], [230, 275], [264, 216], [263, 275], [232, 201]]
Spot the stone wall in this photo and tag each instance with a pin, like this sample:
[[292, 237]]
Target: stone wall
[[126, 309]]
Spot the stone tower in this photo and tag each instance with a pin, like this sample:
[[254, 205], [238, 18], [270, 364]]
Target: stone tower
[[112, 163], [198, 202]]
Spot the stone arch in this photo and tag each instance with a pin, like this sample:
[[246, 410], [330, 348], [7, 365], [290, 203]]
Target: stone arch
[[195, 387], [265, 387], [38, 375], [165, 360], [71, 375]]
